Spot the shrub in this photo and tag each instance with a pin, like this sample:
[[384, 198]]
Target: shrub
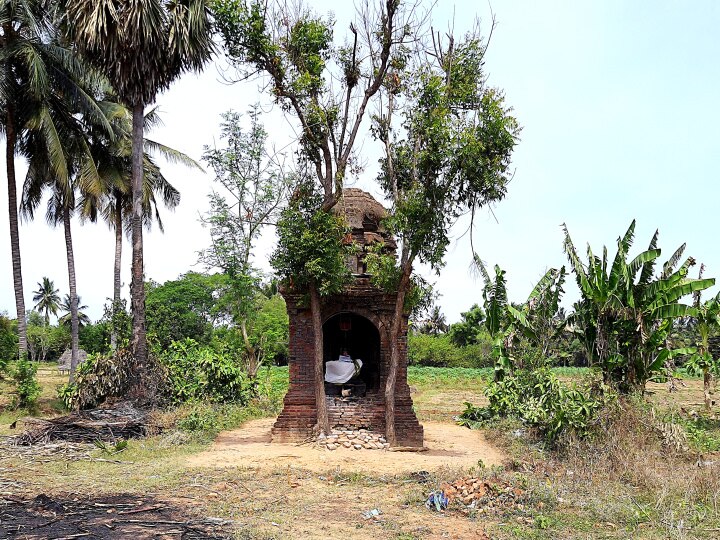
[[197, 372], [8, 342], [540, 399], [185, 372], [100, 376], [27, 387], [440, 351]]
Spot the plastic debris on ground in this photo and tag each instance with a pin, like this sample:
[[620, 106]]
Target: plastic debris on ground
[[437, 500], [372, 514]]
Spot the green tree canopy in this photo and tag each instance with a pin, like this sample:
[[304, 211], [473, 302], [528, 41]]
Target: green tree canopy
[[466, 331], [184, 308]]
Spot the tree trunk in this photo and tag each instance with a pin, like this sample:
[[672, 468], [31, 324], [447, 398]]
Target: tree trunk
[[706, 388], [10, 140], [251, 362], [74, 324], [137, 285], [116, 272], [395, 356], [323, 425]]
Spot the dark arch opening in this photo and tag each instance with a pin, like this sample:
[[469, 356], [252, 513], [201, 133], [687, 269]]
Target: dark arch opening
[[362, 340]]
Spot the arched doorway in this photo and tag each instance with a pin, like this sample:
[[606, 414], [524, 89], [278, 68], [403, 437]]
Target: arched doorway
[[361, 339]]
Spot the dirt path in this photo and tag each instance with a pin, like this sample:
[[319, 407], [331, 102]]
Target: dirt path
[[249, 446]]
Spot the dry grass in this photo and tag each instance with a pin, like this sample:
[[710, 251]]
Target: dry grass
[[623, 483]]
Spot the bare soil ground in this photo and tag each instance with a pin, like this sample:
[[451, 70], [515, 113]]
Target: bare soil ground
[[689, 394], [448, 445]]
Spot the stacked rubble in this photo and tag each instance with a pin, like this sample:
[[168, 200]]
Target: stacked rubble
[[360, 439]]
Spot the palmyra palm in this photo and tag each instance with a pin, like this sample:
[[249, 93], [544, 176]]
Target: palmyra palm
[[142, 47]]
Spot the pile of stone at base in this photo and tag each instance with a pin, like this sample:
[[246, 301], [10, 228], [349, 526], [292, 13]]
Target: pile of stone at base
[[358, 440], [493, 495]]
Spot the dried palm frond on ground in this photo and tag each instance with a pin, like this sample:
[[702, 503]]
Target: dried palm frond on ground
[[104, 377], [123, 421], [113, 517]]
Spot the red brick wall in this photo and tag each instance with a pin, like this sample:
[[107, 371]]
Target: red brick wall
[[299, 412]]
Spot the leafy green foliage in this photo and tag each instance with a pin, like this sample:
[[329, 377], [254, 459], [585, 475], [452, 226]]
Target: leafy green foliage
[[540, 399], [183, 308], [467, 331], [270, 331], [311, 244], [258, 189], [186, 371], [293, 47], [95, 338], [535, 321], [8, 342], [453, 152], [46, 343], [197, 373], [626, 313], [118, 321], [440, 351], [27, 387]]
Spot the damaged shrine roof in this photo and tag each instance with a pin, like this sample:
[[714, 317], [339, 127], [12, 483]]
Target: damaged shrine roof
[[360, 209]]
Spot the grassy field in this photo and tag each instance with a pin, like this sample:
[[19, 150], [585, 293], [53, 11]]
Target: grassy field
[[625, 487]]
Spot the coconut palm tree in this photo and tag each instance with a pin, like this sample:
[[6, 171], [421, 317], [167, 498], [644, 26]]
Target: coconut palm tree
[[37, 75], [74, 129], [46, 298], [113, 159], [142, 47], [66, 306]]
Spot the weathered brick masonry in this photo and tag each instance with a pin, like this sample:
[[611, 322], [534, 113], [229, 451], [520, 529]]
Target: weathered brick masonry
[[361, 299]]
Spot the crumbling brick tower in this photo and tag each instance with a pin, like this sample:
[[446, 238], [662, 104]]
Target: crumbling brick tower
[[357, 320]]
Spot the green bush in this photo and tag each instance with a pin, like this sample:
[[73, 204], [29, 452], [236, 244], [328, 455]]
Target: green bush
[[440, 351], [540, 399], [186, 372], [100, 376], [27, 387], [197, 372], [8, 342]]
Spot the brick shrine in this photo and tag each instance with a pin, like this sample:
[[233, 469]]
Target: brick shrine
[[357, 319]]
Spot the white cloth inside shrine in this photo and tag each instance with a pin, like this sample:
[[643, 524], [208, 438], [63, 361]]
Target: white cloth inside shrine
[[339, 372]]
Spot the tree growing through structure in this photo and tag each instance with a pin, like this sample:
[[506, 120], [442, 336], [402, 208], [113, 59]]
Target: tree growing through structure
[[327, 89], [450, 155]]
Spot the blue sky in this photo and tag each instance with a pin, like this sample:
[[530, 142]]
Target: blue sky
[[618, 103]]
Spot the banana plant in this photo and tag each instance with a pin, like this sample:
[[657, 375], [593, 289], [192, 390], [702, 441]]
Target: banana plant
[[706, 322], [625, 313], [535, 319]]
